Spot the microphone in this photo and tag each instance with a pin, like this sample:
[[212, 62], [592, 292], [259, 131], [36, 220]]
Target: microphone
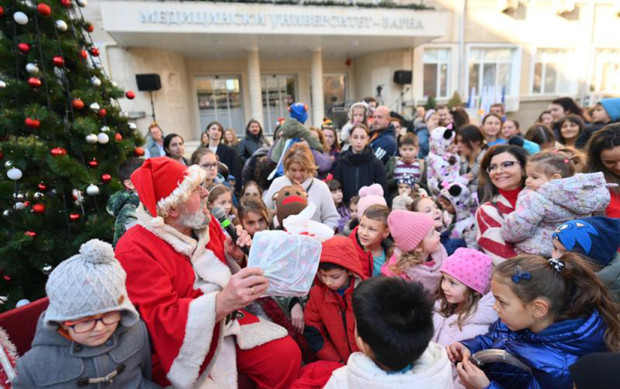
[[224, 221]]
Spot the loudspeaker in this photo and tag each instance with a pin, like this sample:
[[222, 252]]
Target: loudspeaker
[[403, 76], [148, 82]]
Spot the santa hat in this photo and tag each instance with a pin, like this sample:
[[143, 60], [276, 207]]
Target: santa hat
[[162, 183]]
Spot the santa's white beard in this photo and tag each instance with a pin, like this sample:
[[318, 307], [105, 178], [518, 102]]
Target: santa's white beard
[[195, 221]]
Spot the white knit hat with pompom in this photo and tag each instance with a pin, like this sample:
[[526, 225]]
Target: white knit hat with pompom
[[89, 283]]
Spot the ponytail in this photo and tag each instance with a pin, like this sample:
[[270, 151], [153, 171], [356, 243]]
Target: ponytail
[[569, 285]]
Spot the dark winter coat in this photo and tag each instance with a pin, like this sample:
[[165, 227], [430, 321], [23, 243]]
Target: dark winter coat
[[329, 319], [356, 170], [548, 353], [55, 362], [229, 157], [249, 145], [384, 144]]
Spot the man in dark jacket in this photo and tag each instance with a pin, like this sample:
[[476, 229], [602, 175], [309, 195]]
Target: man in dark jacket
[[254, 139], [383, 136]]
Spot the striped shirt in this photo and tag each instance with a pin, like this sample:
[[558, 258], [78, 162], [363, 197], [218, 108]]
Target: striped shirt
[[403, 169]]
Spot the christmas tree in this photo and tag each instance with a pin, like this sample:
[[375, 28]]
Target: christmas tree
[[62, 137]]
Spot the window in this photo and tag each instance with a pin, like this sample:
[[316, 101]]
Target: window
[[334, 94], [606, 74], [554, 72], [279, 92], [493, 69], [436, 74], [219, 99]]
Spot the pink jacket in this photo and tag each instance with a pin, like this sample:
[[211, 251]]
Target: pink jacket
[[427, 274]]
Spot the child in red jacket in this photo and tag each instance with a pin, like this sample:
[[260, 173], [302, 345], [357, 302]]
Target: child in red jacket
[[330, 326]]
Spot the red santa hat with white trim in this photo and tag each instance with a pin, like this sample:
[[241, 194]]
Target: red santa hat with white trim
[[162, 183]]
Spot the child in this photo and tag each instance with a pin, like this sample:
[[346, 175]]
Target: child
[[428, 206], [343, 211], [571, 127], [491, 127], [443, 161], [122, 204], [596, 371], [253, 215], [464, 308], [406, 188], [605, 111], [329, 313], [354, 220], [406, 165], [459, 207], [370, 237], [359, 113], [90, 334], [553, 195], [221, 196], [418, 254], [393, 331], [251, 189], [552, 312], [597, 238], [512, 133]]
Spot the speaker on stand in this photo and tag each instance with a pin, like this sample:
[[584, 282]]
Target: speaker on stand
[[149, 83]]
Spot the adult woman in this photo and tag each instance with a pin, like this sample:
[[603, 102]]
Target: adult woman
[[491, 127], [299, 167], [206, 159], [545, 118], [501, 178], [604, 156], [358, 166], [155, 144], [561, 107], [212, 138], [571, 126], [331, 140], [470, 142], [174, 147], [254, 139], [230, 138]]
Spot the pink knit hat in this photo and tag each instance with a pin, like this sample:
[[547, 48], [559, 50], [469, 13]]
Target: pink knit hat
[[409, 228], [369, 195], [471, 267]]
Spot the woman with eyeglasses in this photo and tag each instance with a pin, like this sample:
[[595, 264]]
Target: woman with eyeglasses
[[501, 178], [208, 160]]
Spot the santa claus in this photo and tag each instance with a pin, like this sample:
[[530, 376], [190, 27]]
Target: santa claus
[[183, 277]]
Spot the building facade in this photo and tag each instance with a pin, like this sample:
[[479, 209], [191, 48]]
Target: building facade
[[233, 62]]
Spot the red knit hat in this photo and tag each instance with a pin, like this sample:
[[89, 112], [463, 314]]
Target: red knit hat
[[162, 183], [409, 228]]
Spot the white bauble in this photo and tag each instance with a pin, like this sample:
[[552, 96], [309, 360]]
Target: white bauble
[[92, 190], [132, 126], [14, 174], [20, 18], [103, 138], [91, 138], [114, 84], [22, 302], [20, 205], [32, 68], [95, 81], [2, 84], [95, 106], [61, 25], [105, 129], [82, 3]]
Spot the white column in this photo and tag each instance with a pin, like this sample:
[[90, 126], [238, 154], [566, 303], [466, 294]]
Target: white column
[[316, 85], [254, 85]]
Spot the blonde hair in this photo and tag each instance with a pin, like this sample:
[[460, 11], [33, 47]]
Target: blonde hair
[[464, 310], [405, 260], [300, 154], [557, 162], [321, 138], [234, 141]]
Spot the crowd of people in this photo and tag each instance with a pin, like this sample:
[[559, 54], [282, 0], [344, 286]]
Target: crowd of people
[[464, 255]]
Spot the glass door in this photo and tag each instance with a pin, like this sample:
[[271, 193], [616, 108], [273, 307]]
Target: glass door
[[219, 99], [279, 91]]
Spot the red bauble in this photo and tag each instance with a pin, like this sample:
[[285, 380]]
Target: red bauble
[[38, 208], [44, 9], [84, 54], [118, 137], [23, 47], [106, 178], [1, 154], [42, 186], [130, 95], [93, 163], [32, 123], [138, 151], [94, 51], [89, 27], [7, 278], [102, 112], [58, 152], [34, 82], [77, 104], [31, 234], [66, 3], [74, 216], [1, 11], [58, 61]]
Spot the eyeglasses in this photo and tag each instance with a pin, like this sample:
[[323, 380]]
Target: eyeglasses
[[504, 166], [209, 165], [88, 325]]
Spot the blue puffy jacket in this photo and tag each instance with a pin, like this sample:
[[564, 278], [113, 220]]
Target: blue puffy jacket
[[549, 352], [384, 145]]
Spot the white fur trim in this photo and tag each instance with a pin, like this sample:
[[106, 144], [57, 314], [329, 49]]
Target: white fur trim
[[198, 337], [194, 176], [223, 372], [209, 268], [256, 334]]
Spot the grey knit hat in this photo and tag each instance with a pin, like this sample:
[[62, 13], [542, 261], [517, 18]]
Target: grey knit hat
[[89, 283]]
